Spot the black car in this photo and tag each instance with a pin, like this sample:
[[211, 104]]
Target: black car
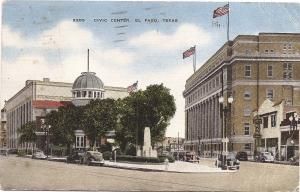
[[242, 156], [230, 163], [75, 157], [92, 158]]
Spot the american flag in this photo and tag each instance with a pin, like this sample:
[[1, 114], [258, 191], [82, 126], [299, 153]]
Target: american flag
[[132, 88], [189, 52], [220, 11]]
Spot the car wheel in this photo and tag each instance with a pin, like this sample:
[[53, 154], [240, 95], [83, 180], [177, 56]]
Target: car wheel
[[263, 160]]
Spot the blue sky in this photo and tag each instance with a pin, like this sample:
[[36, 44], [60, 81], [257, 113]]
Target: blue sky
[[41, 39]]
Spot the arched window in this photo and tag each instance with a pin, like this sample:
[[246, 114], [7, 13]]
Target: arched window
[[247, 95]]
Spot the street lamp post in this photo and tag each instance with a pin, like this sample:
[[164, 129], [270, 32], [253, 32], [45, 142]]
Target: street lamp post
[[46, 129], [223, 112], [293, 126]]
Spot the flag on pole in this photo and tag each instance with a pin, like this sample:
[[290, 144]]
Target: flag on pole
[[189, 52], [220, 11], [132, 88]]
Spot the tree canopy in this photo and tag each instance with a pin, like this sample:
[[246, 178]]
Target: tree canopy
[[27, 132], [63, 123], [99, 116], [152, 108]]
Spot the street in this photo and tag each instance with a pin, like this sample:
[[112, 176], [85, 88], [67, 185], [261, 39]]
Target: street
[[27, 174]]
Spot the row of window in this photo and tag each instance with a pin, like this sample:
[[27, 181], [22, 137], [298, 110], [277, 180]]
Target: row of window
[[81, 143], [266, 121], [205, 88], [88, 94], [287, 71], [285, 47]]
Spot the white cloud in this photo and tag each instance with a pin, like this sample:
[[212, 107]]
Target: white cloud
[[11, 38], [65, 35], [186, 35], [15, 73]]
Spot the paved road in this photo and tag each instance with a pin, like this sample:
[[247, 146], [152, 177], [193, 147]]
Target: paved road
[[28, 174]]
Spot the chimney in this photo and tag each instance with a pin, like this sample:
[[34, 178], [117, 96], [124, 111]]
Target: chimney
[[46, 79]]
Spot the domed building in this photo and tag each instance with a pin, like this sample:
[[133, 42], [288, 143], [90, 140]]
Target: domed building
[[87, 87], [39, 97]]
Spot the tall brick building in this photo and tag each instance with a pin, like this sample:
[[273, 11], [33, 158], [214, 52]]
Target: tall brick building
[[251, 69]]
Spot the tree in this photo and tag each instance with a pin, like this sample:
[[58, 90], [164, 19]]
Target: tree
[[152, 108], [160, 108], [27, 132], [99, 117], [63, 123]]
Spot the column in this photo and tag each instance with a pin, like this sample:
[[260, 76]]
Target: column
[[198, 122], [205, 118]]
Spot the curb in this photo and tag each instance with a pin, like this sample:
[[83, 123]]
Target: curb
[[158, 170]]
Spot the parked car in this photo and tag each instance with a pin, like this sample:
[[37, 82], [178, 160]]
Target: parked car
[[191, 157], [92, 158], [264, 157], [39, 155], [294, 160], [242, 156], [230, 163], [75, 157], [4, 152]]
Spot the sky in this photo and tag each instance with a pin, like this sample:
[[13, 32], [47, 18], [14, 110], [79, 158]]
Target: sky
[[45, 39]]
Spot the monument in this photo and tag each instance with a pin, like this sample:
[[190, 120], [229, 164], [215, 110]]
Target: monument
[[147, 148]]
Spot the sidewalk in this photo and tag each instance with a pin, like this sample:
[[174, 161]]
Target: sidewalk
[[177, 166]]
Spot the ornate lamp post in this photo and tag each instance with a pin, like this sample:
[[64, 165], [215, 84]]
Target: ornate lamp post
[[293, 126], [224, 110]]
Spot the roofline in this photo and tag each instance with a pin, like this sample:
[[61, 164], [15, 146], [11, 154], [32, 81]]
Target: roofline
[[233, 41]]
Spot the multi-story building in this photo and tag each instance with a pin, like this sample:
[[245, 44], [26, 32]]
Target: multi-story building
[[250, 69], [276, 129], [3, 139], [38, 98]]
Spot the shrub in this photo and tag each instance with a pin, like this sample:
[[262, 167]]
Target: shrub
[[137, 159], [131, 150], [162, 158], [106, 147], [21, 153], [106, 155]]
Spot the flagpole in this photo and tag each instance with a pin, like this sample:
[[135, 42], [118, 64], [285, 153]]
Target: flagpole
[[194, 60], [228, 22]]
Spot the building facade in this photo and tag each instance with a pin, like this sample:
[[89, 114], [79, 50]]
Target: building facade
[[3, 138], [250, 69], [276, 129], [37, 99]]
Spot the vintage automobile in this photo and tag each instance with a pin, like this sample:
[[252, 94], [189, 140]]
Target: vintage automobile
[[192, 157], [294, 160], [92, 158], [75, 156], [242, 156], [39, 155], [230, 163], [264, 157]]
